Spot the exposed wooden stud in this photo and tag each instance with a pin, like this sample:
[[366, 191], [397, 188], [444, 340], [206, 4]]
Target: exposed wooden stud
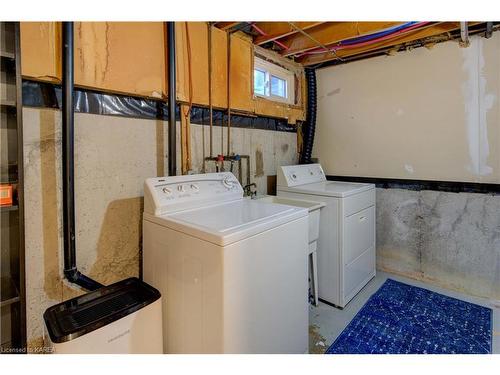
[[404, 38], [40, 43], [228, 96], [329, 33], [277, 30], [241, 60], [185, 138], [210, 105]]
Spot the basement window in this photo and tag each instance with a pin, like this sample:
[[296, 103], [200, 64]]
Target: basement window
[[273, 82]]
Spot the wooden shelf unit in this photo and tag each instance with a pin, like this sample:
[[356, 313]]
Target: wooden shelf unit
[[12, 274]]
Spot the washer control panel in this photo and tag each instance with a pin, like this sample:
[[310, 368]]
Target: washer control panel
[[295, 175], [169, 194]]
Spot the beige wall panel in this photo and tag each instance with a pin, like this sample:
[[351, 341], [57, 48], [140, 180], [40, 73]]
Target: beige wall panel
[[271, 108], [199, 61], [122, 57], [424, 114], [219, 68], [129, 58], [198, 33], [41, 48], [241, 74]]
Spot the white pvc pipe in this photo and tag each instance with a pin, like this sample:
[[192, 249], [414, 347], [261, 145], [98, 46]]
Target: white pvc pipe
[[464, 33]]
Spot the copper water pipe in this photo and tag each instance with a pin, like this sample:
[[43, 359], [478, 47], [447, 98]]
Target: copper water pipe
[[210, 106]]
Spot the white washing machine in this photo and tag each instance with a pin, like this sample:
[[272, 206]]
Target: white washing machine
[[232, 271], [346, 245]]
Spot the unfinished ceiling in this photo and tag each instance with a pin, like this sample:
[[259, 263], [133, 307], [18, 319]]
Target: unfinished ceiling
[[321, 43]]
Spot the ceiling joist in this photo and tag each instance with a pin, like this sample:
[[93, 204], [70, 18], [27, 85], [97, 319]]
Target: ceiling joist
[[276, 30], [330, 33], [436, 29], [312, 43]]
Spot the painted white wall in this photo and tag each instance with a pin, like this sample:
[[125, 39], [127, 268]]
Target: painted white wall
[[421, 114]]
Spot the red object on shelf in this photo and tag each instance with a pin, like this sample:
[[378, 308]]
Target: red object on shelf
[[6, 191]]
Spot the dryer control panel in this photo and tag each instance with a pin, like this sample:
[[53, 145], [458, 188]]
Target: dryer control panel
[[164, 195], [295, 175]]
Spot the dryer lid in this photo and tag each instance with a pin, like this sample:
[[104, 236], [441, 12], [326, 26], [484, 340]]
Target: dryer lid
[[338, 189]]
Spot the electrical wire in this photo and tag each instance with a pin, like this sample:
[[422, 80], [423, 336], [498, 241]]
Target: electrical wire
[[377, 34], [445, 36], [325, 48], [363, 38], [369, 42]]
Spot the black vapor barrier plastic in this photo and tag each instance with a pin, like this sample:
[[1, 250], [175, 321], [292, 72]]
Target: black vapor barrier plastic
[[417, 185], [46, 95], [309, 127]]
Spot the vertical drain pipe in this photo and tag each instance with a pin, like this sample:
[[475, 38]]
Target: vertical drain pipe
[[489, 30], [68, 160], [464, 34], [172, 151]]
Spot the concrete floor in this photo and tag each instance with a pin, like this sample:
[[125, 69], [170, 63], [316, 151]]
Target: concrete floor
[[326, 322]]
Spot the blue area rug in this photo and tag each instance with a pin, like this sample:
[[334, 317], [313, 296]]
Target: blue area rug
[[404, 319]]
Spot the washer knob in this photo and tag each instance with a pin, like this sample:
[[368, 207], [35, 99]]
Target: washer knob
[[228, 183], [181, 188], [194, 187], [167, 190]]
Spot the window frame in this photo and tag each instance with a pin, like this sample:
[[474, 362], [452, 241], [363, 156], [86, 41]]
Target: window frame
[[275, 70]]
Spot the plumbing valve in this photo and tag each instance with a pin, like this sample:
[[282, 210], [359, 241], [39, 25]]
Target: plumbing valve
[[220, 163]]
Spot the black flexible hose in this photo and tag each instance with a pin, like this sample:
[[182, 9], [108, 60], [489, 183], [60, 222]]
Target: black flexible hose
[[309, 127]]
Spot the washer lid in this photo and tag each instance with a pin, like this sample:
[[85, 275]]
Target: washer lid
[[338, 189], [223, 224]]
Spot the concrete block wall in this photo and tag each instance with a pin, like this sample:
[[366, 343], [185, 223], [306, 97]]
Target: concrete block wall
[[113, 157], [448, 239]]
